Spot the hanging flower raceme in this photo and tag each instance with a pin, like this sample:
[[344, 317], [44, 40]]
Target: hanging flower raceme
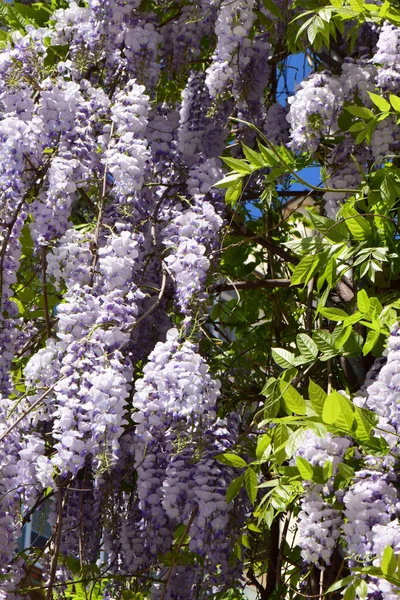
[[178, 477], [314, 110], [318, 521], [191, 236]]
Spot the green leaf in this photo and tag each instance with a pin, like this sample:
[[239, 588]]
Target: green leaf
[[380, 102], [395, 102], [234, 192], [361, 589], [334, 314], [363, 302], [389, 562], [255, 159], [305, 270], [365, 422], [331, 410], [360, 111], [338, 408], [294, 442], [281, 435], [330, 272], [327, 470], [270, 159], [234, 488], [325, 343], [358, 226], [306, 346], [228, 180], [232, 460], [333, 230], [317, 396], [350, 593], [346, 471], [338, 585], [293, 400], [283, 358], [361, 136], [343, 336], [370, 342], [305, 469], [263, 443], [239, 165], [358, 126], [356, 5], [250, 479]]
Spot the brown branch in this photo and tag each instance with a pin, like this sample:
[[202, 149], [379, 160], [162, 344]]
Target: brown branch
[[273, 554], [57, 543], [282, 548], [42, 498], [249, 285], [287, 256]]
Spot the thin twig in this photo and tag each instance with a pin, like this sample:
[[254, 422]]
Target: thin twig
[[321, 584], [30, 409], [57, 543], [152, 307], [249, 285], [279, 559], [101, 210], [38, 502], [178, 547]]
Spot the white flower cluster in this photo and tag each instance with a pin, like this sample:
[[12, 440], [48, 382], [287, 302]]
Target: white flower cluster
[[319, 450], [235, 19], [203, 176], [190, 236], [182, 37], [387, 57], [127, 156], [161, 133], [357, 79], [372, 500], [318, 529], [70, 260], [384, 139], [175, 438], [319, 523], [382, 396], [276, 127], [314, 110]]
